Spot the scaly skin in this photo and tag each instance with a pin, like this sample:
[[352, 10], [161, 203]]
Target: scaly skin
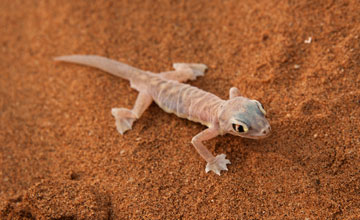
[[238, 116]]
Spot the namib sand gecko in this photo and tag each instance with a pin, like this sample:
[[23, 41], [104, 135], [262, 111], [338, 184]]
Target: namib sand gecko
[[238, 116]]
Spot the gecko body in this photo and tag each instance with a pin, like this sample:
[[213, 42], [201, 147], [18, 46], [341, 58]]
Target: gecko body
[[238, 116]]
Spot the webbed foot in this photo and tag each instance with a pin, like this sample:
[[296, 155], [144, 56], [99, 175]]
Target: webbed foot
[[218, 164], [198, 69], [122, 122]]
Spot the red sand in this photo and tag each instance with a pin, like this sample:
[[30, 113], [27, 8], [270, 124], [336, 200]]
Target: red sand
[[62, 158]]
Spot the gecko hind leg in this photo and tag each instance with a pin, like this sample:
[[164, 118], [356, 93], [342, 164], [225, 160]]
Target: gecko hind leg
[[185, 71], [124, 118]]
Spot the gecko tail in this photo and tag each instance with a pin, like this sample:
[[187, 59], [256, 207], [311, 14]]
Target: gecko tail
[[108, 65]]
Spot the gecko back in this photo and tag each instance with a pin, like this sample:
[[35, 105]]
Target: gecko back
[[185, 100]]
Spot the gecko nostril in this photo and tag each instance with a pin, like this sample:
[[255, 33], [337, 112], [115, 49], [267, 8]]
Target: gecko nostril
[[266, 130]]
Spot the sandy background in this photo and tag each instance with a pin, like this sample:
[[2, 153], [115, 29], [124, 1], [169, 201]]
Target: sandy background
[[62, 158]]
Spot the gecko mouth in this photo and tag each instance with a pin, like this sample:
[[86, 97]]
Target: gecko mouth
[[259, 136]]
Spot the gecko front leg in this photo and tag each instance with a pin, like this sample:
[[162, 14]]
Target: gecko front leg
[[215, 164], [234, 92]]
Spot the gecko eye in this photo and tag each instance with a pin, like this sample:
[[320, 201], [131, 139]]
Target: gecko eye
[[241, 128], [261, 107]]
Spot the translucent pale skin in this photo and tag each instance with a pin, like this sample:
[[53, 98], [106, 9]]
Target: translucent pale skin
[[166, 89]]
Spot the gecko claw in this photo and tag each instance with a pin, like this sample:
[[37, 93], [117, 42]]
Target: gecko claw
[[218, 164]]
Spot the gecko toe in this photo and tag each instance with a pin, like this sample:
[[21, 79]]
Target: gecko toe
[[124, 124]]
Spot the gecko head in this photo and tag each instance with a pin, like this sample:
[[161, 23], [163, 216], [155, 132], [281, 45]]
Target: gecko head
[[244, 117]]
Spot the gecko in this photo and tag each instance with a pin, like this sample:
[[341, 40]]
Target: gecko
[[239, 116]]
